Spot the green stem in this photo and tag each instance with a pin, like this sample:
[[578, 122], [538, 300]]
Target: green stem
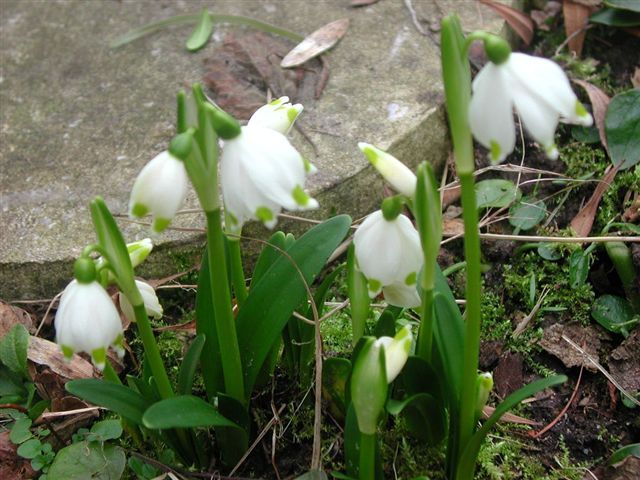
[[455, 268], [472, 310], [152, 352], [225, 323], [237, 272], [367, 468], [425, 336]]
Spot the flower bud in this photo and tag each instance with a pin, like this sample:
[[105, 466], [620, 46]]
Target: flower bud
[[279, 115], [150, 299], [393, 170], [396, 351]]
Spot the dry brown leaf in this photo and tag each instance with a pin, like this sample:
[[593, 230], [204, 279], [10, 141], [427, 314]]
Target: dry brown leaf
[[635, 80], [452, 227], [44, 352], [487, 411], [362, 3], [542, 17], [519, 21], [450, 195], [587, 337], [10, 315], [11, 465], [583, 221], [589, 3], [576, 17], [318, 42], [599, 104]]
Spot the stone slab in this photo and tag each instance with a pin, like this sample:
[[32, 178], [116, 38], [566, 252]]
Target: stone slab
[[79, 119]]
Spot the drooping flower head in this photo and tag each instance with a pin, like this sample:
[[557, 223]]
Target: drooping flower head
[[401, 178], [536, 87], [87, 320], [389, 255], [279, 115], [159, 189], [150, 299], [260, 173]]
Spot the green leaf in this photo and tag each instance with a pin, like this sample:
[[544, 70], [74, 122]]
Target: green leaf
[[358, 296], [467, 462], [21, 431], [335, 373], [578, 268], [622, 126], [527, 213], [624, 452], [105, 430], [585, 134], [614, 313], [87, 460], [449, 341], [613, 17], [202, 32], [496, 193], [13, 349], [117, 398], [632, 5], [30, 449], [425, 416], [269, 254], [272, 301], [185, 411], [189, 365], [368, 384], [549, 251], [386, 324]]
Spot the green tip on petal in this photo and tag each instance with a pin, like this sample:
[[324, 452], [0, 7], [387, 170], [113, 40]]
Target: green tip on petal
[[160, 224], [495, 152], [299, 196], [264, 214], [139, 210], [411, 279], [552, 151], [292, 114], [370, 152], [308, 166], [99, 357], [67, 352], [84, 270], [373, 285]]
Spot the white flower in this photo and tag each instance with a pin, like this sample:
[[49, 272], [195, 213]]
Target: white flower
[[396, 351], [401, 178], [540, 92], [261, 173], [389, 255], [160, 189], [88, 321], [279, 115], [150, 299]]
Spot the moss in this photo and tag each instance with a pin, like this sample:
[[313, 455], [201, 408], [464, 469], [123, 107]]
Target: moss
[[496, 325], [583, 159]]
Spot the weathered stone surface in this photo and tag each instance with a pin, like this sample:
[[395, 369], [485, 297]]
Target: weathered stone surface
[[79, 119]]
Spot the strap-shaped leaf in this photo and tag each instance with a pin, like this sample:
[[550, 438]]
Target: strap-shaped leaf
[[269, 254], [467, 462], [275, 297], [117, 398], [185, 411], [200, 36], [189, 365], [425, 416]]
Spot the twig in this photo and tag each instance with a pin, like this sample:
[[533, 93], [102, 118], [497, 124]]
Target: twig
[[414, 18], [571, 37], [525, 321], [535, 238], [47, 415], [44, 318], [602, 370], [562, 412]]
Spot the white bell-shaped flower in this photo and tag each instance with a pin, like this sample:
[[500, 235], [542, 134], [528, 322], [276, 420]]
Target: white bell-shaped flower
[[150, 299], [401, 178], [261, 173], [279, 115], [539, 91], [160, 189], [389, 255], [396, 351], [88, 321]]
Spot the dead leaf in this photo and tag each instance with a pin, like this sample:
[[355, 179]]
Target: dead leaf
[[635, 80], [11, 465], [626, 470], [624, 362], [599, 104], [576, 17], [318, 42], [589, 3], [542, 17], [583, 221], [244, 68], [44, 352], [10, 315], [487, 411], [632, 214], [508, 374], [362, 3], [586, 337], [452, 227], [520, 22], [450, 195]]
